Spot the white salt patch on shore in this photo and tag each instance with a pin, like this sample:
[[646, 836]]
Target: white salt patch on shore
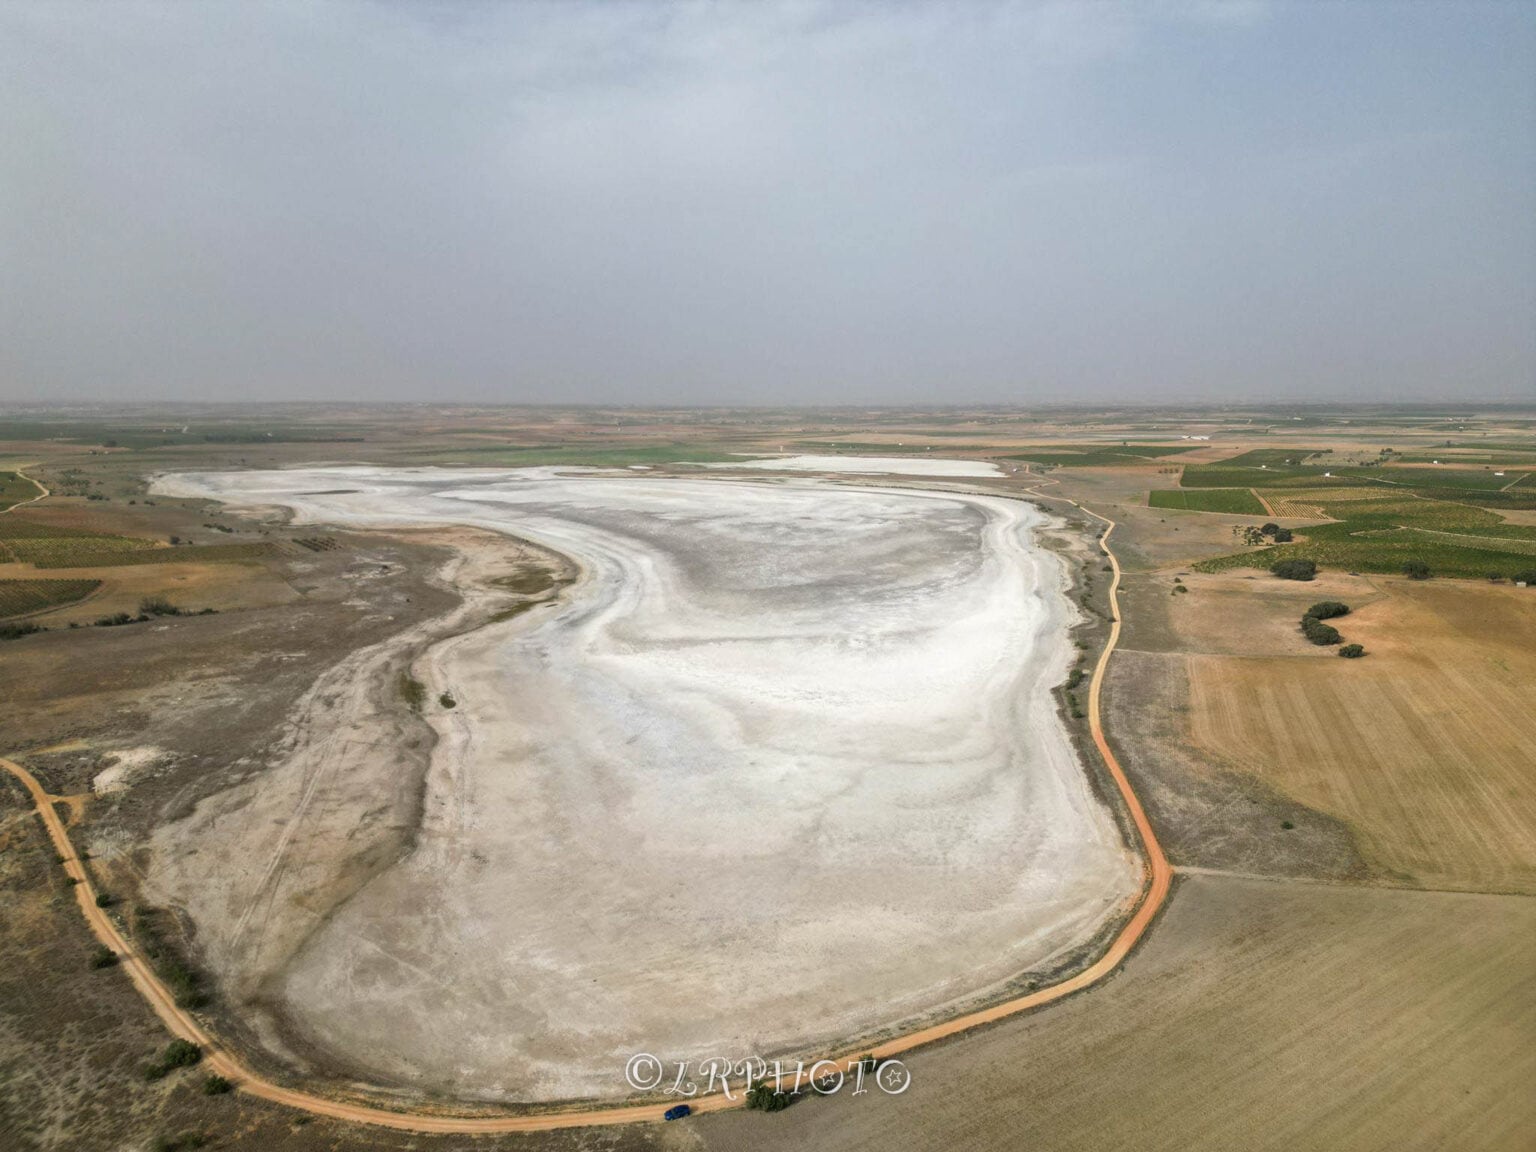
[[117, 776]]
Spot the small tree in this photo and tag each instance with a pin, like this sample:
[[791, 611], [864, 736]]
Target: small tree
[[1352, 651], [1294, 569], [1270, 529], [1528, 576], [1416, 570], [1284, 536]]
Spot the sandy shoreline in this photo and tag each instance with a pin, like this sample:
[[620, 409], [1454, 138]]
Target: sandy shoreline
[[783, 767]]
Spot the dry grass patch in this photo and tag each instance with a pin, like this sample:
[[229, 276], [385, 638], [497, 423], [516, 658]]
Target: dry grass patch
[[1424, 747]]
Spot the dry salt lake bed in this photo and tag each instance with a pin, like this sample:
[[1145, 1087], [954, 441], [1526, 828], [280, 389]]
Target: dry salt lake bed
[[780, 768]]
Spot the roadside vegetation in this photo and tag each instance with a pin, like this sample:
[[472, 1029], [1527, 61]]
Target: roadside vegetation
[[177, 1054], [150, 928]]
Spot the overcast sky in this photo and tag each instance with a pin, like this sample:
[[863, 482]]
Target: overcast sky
[[804, 203]]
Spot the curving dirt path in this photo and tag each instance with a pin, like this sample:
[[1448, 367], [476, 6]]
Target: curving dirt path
[[1158, 874], [42, 493]]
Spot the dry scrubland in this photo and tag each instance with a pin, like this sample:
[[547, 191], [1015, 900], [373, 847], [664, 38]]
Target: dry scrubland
[[1363, 1012]]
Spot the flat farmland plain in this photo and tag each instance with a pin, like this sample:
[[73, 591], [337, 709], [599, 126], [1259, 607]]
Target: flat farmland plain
[[1424, 747], [1259, 1015]]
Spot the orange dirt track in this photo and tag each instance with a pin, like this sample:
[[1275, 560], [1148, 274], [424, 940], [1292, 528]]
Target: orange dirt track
[[218, 1060]]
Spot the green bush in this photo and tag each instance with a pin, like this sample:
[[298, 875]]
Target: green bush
[[763, 1098], [1318, 632], [177, 1054], [1352, 651], [216, 1086], [1294, 569], [105, 900], [1527, 576], [103, 957], [447, 700], [17, 631], [1327, 610], [157, 606], [1416, 570], [1284, 535]]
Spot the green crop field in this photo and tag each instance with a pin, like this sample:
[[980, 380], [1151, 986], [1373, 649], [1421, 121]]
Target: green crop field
[[191, 554], [1381, 535], [15, 488], [21, 597], [1270, 457], [1223, 476], [1235, 500], [1095, 455]]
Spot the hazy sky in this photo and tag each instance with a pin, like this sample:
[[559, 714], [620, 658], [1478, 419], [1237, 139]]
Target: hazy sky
[[625, 202]]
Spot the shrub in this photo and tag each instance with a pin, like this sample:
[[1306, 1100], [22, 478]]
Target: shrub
[[413, 691], [105, 900], [1294, 569], [1074, 678], [157, 606], [1327, 610], [1352, 651], [1284, 536], [1416, 570], [1528, 576], [1318, 632], [1269, 529], [103, 957], [763, 1098], [177, 1054], [17, 631], [216, 1086], [447, 700]]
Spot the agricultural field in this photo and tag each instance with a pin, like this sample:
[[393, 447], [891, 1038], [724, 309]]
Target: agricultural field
[[115, 556], [1240, 501], [24, 597], [14, 489], [1261, 1015], [1424, 747], [1095, 455], [1380, 530]]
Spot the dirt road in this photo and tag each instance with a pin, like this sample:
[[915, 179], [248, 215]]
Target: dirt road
[[226, 1064]]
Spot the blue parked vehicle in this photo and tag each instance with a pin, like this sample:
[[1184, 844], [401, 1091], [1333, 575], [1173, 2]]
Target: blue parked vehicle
[[677, 1112]]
